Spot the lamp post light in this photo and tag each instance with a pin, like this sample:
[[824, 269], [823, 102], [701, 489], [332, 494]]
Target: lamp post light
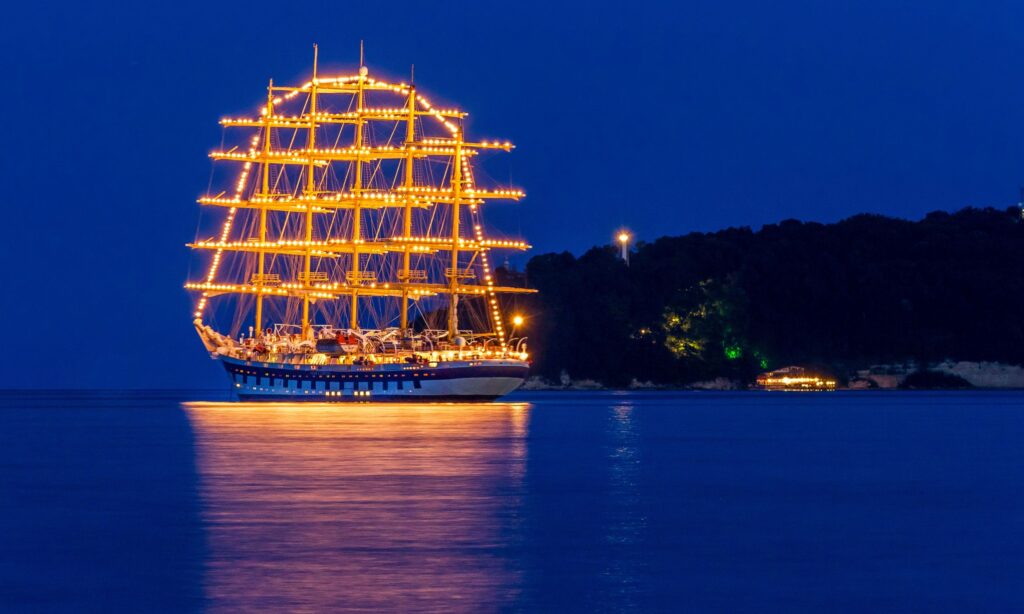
[[520, 347], [623, 239], [517, 321]]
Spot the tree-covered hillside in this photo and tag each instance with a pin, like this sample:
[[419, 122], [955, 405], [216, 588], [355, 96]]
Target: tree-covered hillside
[[864, 290]]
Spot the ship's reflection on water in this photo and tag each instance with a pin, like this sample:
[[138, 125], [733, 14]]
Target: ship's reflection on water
[[364, 506]]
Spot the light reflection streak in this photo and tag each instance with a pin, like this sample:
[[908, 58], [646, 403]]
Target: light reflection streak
[[627, 524], [319, 507]]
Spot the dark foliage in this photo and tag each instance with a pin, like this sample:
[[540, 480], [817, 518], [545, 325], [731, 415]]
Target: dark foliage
[[865, 290], [934, 380]]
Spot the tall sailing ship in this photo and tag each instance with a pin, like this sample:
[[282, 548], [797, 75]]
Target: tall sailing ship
[[352, 263]]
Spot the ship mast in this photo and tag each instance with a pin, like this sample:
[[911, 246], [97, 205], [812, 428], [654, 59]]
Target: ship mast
[[260, 280], [357, 188], [454, 273], [410, 136], [310, 192]]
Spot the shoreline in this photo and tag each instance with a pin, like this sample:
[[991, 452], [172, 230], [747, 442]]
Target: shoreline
[[752, 390], [972, 375]]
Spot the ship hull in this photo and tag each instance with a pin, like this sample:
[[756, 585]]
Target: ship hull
[[457, 380]]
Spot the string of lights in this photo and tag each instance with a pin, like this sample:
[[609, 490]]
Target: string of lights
[[418, 196]]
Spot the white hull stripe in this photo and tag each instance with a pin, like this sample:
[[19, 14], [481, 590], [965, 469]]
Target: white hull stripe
[[462, 379]]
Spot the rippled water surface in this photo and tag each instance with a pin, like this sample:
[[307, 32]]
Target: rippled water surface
[[554, 502]]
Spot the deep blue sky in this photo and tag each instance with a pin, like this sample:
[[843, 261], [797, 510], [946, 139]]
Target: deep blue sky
[[666, 117]]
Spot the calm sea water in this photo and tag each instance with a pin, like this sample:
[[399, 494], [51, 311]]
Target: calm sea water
[[547, 502]]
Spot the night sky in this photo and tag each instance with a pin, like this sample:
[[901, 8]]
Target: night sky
[[663, 117]]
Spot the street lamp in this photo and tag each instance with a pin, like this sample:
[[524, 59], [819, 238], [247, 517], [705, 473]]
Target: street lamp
[[623, 239]]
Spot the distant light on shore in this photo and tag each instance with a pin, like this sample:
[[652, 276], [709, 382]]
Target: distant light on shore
[[794, 378], [623, 237]]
